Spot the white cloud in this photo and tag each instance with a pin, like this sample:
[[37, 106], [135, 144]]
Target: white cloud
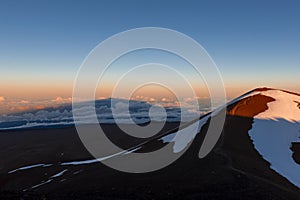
[[139, 112]]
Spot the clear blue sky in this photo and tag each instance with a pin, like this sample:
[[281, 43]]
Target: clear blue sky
[[254, 43]]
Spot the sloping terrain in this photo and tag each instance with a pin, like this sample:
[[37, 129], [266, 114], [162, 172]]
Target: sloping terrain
[[245, 163]]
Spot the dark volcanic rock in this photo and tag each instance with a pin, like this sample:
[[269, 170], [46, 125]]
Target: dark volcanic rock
[[233, 170]]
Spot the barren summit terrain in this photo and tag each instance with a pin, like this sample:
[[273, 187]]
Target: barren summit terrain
[[52, 163]]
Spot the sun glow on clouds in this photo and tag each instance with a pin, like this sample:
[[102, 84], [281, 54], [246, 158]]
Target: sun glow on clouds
[[14, 105], [62, 100], [170, 100]]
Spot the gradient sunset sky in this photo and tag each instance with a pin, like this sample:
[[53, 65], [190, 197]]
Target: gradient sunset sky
[[43, 43]]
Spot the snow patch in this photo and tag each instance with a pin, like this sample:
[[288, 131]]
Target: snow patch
[[132, 151], [285, 106], [29, 167], [274, 130], [184, 136], [273, 139], [40, 184], [59, 174]]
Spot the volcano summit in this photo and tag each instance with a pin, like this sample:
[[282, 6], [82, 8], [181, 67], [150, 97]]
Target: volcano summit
[[257, 156]]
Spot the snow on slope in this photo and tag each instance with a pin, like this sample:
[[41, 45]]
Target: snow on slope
[[274, 130], [285, 106], [185, 136]]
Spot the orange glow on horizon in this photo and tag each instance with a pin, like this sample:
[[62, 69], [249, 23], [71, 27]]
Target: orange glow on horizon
[[28, 94]]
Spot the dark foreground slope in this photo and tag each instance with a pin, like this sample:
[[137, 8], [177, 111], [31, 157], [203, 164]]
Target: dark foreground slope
[[233, 170]]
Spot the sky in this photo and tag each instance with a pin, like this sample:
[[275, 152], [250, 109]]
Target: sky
[[43, 43]]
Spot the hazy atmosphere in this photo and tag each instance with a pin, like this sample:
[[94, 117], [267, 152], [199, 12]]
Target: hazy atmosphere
[[43, 43], [157, 99]]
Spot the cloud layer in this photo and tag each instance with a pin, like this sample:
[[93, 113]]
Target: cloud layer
[[107, 111]]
